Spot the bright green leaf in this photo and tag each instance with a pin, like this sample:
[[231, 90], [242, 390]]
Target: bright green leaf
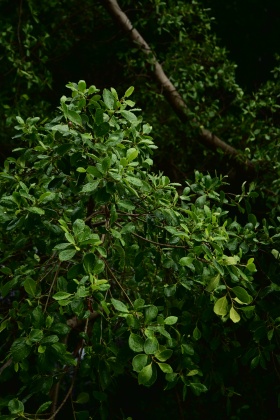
[[234, 315], [165, 367], [118, 305], [221, 306]]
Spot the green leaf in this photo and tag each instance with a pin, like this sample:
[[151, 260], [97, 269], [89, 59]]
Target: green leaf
[[129, 116], [213, 283], [15, 406], [98, 267], [126, 204], [30, 286], [62, 295], [100, 396], [59, 327], [82, 398], [82, 86], [36, 210], [242, 294], [102, 129], [192, 372], [148, 375], [234, 315], [43, 407], [270, 334], [134, 181], [133, 322], [5, 289], [74, 117], [119, 306], [163, 355], [150, 313], [129, 91], [20, 350], [231, 260], [90, 186], [196, 334], [198, 388], [69, 238], [50, 339], [67, 254], [89, 262], [186, 262], [78, 227], [38, 318], [131, 154], [151, 345], [139, 362], [221, 306], [48, 196], [255, 362], [35, 335], [106, 163], [99, 116], [275, 253], [108, 98], [139, 303], [165, 367], [136, 343], [171, 320]]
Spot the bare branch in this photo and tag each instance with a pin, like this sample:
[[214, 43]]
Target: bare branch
[[170, 92]]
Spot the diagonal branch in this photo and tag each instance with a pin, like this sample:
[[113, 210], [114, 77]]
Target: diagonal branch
[[173, 96]]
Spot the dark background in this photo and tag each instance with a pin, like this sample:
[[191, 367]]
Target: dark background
[[250, 30]]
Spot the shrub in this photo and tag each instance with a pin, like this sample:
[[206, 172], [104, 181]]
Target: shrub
[[108, 269]]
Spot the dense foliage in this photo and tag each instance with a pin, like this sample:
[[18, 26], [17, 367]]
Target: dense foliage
[[117, 278]]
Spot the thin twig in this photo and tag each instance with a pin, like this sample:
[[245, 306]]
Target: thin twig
[[53, 282], [7, 364], [159, 243], [65, 398], [18, 27], [118, 283]]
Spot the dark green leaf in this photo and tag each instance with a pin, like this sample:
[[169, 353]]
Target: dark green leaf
[[136, 343], [198, 388], [35, 335], [139, 362], [43, 407], [242, 294], [15, 406], [150, 313], [74, 117], [82, 398], [89, 262], [20, 350], [108, 98], [163, 355]]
